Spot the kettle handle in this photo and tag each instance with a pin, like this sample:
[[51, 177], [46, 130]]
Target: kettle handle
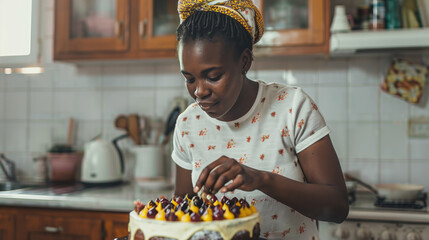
[[115, 143]]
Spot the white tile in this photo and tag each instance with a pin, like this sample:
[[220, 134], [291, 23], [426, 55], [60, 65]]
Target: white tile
[[364, 71], [367, 170], [164, 101], [142, 102], [419, 173], [65, 76], [17, 81], [89, 77], [333, 72], [142, 75], [272, 71], [40, 136], [339, 138], [41, 105], [2, 81], [305, 72], [363, 103], [332, 102], [88, 105], [109, 130], [23, 164], [64, 104], [394, 172], [392, 108], [86, 130], [15, 138], [16, 105], [43, 80], [394, 140], [2, 105], [114, 76], [114, 103], [363, 140], [419, 148], [60, 131], [2, 134], [422, 109], [168, 75]]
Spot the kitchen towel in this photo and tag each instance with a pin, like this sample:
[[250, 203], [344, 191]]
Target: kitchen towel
[[405, 80]]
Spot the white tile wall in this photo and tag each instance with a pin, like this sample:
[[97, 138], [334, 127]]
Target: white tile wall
[[369, 127]]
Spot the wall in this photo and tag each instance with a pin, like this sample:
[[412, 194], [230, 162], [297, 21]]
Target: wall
[[369, 127]]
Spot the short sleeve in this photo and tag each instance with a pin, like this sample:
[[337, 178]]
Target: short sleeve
[[309, 124], [179, 155]]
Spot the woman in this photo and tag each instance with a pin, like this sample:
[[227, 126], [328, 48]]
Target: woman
[[265, 142]]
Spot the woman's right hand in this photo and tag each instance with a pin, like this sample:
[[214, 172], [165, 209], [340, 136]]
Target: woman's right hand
[[217, 174]]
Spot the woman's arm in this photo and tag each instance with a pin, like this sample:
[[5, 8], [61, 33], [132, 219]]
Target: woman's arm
[[183, 184], [322, 197]]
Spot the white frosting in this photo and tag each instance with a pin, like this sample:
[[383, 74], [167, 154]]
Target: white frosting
[[184, 230]]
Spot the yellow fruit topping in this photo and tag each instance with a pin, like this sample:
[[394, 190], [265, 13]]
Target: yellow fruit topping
[[160, 216], [238, 204], [187, 198], [228, 214], [159, 207], [242, 213], [224, 207], [216, 203], [174, 203], [208, 216], [143, 213], [194, 208], [253, 209], [179, 214], [248, 211], [186, 218]]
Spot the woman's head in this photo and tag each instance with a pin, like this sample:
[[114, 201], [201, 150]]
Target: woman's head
[[203, 25]]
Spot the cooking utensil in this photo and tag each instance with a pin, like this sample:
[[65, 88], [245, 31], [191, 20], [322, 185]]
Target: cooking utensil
[[392, 192], [121, 122], [170, 124], [134, 128]]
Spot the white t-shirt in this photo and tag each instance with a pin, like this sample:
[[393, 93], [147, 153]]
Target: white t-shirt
[[282, 122]]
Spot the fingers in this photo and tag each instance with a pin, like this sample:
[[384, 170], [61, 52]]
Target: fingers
[[212, 172], [237, 182]]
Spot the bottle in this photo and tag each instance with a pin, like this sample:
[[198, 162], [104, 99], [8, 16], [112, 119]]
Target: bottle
[[393, 18], [377, 14]]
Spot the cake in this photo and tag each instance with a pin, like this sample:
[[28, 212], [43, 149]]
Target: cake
[[194, 219]]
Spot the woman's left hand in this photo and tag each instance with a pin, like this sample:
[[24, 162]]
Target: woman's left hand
[[218, 173]]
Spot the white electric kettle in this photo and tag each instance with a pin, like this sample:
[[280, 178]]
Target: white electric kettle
[[102, 162]]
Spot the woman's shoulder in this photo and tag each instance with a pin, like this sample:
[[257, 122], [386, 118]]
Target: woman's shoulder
[[280, 91]]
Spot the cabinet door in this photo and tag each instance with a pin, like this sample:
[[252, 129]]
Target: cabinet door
[[58, 228], [7, 227], [294, 23], [157, 24], [92, 25], [116, 228]]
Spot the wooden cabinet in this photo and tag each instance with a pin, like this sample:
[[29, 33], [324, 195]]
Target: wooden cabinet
[[139, 29], [294, 27], [7, 226], [115, 29], [58, 224]]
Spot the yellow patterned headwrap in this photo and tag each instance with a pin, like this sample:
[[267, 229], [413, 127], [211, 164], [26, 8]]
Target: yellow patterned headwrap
[[244, 11]]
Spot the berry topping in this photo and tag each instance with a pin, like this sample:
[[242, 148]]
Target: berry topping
[[151, 213], [195, 217]]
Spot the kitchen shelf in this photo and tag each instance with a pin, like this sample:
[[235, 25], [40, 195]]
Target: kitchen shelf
[[363, 41]]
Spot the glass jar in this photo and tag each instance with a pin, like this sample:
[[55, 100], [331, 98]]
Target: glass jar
[[377, 14]]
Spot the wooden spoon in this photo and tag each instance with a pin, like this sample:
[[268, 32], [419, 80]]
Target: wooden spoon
[[121, 122], [134, 128]]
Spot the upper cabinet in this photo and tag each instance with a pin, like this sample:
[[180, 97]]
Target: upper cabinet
[[294, 27], [137, 29], [115, 29]]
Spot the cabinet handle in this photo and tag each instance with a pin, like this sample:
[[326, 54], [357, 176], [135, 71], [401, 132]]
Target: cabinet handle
[[142, 28], [118, 28], [53, 229]]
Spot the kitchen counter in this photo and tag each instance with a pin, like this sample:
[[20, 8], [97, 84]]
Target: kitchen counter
[[118, 198]]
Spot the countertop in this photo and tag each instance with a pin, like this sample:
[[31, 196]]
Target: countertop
[[117, 198]]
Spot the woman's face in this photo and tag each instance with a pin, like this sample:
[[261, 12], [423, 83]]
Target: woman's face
[[213, 76]]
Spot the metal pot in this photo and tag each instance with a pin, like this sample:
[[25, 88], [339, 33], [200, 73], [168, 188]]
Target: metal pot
[[391, 192]]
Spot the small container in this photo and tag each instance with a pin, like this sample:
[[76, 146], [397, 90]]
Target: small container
[[40, 168], [393, 15], [64, 166], [377, 14]]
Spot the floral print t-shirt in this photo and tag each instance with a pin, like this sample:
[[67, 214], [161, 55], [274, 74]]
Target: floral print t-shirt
[[282, 122]]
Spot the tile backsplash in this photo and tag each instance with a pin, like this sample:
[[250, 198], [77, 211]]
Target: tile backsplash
[[369, 127]]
